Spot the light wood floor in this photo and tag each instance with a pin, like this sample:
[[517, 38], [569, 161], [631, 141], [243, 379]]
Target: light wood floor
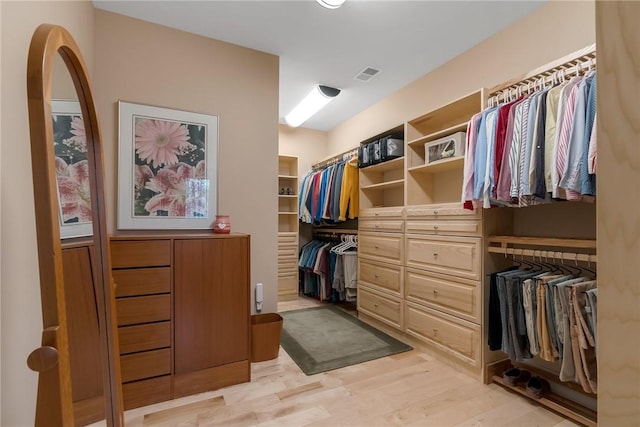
[[408, 389]]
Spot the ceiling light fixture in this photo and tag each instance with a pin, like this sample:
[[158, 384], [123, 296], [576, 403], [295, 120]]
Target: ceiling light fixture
[[312, 103], [331, 4]]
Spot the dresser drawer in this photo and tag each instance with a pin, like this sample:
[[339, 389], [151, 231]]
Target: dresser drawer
[[288, 284], [446, 227], [140, 253], [385, 277], [144, 337], [146, 392], [391, 212], [135, 310], [442, 211], [142, 281], [459, 297], [287, 265], [147, 364], [450, 334], [458, 256], [288, 239], [287, 251], [396, 226], [385, 308], [385, 247]]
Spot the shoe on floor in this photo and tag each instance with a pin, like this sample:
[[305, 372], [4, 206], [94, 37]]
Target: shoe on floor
[[514, 376], [537, 387]]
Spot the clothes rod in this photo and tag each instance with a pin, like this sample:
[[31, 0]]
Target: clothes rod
[[545, 255]]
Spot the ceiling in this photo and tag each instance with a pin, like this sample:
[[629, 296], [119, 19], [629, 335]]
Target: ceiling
[[403, 39]]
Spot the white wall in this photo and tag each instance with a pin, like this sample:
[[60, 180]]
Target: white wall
[[308, 145], [20, 287]]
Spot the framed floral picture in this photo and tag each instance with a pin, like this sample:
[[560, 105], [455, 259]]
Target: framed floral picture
[[167, 168], [72, 169]]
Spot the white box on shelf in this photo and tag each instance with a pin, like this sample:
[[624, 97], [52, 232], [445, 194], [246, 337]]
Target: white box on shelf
[[445, 148]]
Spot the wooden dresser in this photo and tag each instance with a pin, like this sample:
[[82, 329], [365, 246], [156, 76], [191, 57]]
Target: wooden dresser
[[183, 310]]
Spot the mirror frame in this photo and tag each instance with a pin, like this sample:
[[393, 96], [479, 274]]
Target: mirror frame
[[54, 402]]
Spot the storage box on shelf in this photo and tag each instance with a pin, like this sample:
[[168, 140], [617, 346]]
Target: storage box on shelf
[[382, 183], [287, 228], [195, 285]]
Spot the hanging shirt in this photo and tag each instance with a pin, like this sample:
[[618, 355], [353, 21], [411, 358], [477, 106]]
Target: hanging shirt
[[553, 100], [469, 157], [588, 178], [593, 148], [567, 108], [349, 192], [504, 176], [570, 179], [502, 130]]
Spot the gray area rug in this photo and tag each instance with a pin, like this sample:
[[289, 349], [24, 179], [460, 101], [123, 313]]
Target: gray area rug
[[324, 338]]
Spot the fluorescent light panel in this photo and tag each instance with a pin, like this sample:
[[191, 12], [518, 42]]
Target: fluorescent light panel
[[331, 4], [311, 104]]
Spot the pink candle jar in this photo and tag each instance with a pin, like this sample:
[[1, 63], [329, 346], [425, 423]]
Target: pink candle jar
[[222, 225]]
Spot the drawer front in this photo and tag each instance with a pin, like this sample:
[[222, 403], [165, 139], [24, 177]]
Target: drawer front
[[142, 281], [383, 276], [458, 256], [144, 337], [287, 251], [288, 239], [140, 253], [387, 212], [456, 296], [288, 284], [380, 246], [135, 310], [454, 336], [146, 392], [147, 364], [446, 227], [287, 265], [393, 226], [445, 210], [386, 309]]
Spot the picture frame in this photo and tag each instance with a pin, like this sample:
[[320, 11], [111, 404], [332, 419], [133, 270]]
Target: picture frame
[[167, 168], [72, 169]]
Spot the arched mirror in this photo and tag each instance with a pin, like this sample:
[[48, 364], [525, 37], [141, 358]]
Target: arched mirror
[[77, 361]]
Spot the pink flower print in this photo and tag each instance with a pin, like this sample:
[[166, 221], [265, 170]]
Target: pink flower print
[[74, 190], [143, 174], [79, 138], [172, 184], [159, 142]]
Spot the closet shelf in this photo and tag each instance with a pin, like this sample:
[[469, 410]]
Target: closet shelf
[[460, 127], [287, 213], [557, 403], [385, 166], [384, 185], [287, 177], [288, 196], [504, 241], [439, 166]]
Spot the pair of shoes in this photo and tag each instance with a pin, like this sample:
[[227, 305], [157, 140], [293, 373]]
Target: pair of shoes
[[514, 376], [537, 386]]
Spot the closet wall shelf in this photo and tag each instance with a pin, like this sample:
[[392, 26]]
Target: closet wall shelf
[[287, 213], [439, 166], [506, 245], [385, 166], [556, 403], [384, 185], [287, 177], [460, 127], [288, 196]]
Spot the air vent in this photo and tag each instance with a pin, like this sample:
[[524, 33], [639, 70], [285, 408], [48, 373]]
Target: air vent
[[366, 74]]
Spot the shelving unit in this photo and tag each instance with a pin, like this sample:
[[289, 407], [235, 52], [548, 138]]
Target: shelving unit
[[382, 184], [287, 228], [438, 182]]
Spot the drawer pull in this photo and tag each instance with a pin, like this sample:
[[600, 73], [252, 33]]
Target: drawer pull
[[375, 305], [377, 226], [435, 331], [435, 292], [376, 247], [435, 212], [435, 254], [435, 227], [375, 276], [376, 214]]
